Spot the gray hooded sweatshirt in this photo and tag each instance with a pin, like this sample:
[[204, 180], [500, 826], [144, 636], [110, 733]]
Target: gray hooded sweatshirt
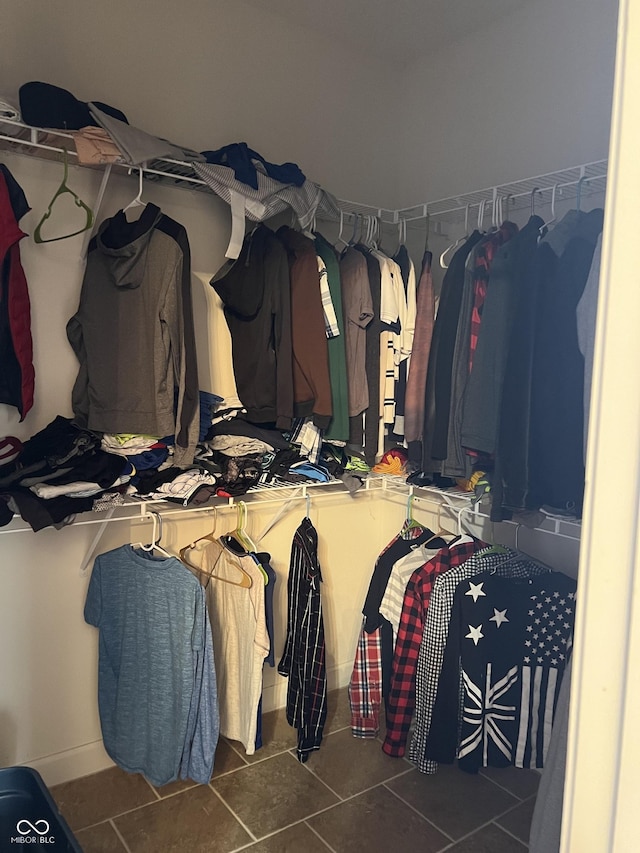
[[133, 333]]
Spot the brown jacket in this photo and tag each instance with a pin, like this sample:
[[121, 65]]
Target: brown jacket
[[311, 382]]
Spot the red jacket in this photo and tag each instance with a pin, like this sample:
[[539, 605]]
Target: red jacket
[[16, 349]]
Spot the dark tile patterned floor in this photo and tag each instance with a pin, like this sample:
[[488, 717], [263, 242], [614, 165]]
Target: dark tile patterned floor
[[349, 796]]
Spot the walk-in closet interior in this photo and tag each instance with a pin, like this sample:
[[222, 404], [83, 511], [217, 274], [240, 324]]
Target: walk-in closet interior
[[413, 125]]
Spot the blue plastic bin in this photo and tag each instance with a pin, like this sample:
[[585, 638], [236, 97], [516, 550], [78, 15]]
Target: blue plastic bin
[[29, 817]]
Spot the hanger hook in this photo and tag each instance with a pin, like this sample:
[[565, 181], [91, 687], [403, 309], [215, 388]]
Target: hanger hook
[[533, 199], [308, 501], [518, 526], [581, 181], [481, 208]]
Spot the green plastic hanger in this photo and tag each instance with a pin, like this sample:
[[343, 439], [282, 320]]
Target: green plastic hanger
[[62, 189]]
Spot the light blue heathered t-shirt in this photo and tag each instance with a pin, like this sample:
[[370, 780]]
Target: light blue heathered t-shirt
[[151, 615]]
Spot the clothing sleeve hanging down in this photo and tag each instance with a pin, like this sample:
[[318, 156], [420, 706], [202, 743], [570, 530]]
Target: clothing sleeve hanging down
[[17, 376], [509, 640], [438, 385], [358, 312], [311, 381], [303, 659], [417, 377], [136, 292], [372, 365], [255, 292], [204, 720], [436, 630], [151, 617], [338, 429]]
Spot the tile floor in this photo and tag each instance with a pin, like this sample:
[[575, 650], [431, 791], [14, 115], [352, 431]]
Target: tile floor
[[349, 796]]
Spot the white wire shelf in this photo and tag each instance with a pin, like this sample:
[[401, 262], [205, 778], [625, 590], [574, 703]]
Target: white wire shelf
[[587, 179]]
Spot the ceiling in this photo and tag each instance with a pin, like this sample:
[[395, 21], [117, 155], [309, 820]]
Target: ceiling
[[398, 32]]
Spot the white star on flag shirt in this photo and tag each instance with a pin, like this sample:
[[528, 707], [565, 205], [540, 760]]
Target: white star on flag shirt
[[499, 616], [475, 590]]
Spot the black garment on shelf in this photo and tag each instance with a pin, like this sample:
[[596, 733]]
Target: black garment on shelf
[[46, 105], [58, 445], [239, 157]]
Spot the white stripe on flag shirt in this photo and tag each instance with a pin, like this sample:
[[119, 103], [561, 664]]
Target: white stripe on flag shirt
[[436, 630], [548, 637]]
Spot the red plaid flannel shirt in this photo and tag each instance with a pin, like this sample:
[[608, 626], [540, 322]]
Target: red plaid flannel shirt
[[402, 696], [365, 686]]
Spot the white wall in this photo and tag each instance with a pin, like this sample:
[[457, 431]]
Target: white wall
[[210, 72], [527, 95]]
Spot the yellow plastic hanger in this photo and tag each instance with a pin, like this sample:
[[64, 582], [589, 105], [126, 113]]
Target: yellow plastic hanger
[[62, 190]]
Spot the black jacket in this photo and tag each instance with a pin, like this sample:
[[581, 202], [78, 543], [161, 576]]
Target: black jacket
[[255, 291]]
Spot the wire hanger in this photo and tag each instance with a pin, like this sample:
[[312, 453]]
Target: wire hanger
[[245, 581], [137, 201], [63, 189]]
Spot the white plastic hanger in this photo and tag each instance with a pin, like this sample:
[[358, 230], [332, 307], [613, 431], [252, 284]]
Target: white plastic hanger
[[156, 536], [533, 199], [455, 245], [581, 181], [544, 227], [340, 238], [137, 201]]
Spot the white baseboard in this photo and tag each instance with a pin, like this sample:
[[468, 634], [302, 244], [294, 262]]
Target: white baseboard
[[72, 763], [91, 758]]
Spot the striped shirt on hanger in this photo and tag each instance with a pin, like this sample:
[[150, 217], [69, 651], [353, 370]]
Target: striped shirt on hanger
[[303, 659]]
